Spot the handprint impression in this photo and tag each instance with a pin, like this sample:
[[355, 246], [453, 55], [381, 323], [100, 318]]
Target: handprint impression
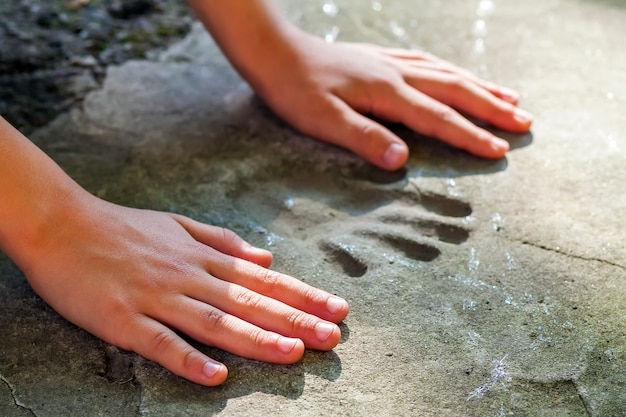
[[415, 227], [357, 228]]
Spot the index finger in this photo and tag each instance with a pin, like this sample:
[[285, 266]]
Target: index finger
[[281, 287], [430, 117]]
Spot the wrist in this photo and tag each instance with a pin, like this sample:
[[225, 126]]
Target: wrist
[[254, 35], [38, 198], [35, 219]]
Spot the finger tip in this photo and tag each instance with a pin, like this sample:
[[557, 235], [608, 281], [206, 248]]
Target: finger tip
[[337, 307], [213, 373], [509, 95], [490, 147], [523, 119], [334, 339], [298, 351], [291, 350], [259, 256], [499, 147], [327, 335], [395, 156]]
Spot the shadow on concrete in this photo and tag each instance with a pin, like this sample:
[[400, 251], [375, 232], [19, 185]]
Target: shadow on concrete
[[245, 377], [435, 159], [38, 345], [428, 157]]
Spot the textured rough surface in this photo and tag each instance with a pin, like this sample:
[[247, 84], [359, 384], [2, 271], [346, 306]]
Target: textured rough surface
[[54, 52], [477, 288]]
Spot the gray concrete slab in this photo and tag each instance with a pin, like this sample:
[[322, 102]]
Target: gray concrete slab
[[477, 288]]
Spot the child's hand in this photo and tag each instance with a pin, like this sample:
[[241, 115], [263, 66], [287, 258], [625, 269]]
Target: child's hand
[[328, 90], [135, 277]]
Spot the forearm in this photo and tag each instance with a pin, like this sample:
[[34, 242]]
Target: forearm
[[253, 34], [33, 191]]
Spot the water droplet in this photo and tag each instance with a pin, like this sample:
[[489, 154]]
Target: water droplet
[[272, 239], [474, 336], [473, 262], [511, 262], [376, 6], [480, 28], [452, 188], [331, 35], [288, 203], [396, 29], [485, 8], [610, 95], [497, 222], [330, 8], [468, 219], [479, 46]]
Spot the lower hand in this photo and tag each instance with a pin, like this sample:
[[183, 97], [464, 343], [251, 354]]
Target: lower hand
[[132, 277]]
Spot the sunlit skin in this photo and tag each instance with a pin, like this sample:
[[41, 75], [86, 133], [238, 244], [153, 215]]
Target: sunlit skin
[[131, 276], [328, 90], [136, 277]]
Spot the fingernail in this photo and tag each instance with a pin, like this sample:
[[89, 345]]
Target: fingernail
[[394, 156], [260, 251], [211, 368], [499, 144], [252, 248], [323, 331], [335, 304], [522, 116], [509, 95], [286, 344]]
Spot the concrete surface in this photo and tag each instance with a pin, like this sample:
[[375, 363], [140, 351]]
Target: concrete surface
[[477, 288]]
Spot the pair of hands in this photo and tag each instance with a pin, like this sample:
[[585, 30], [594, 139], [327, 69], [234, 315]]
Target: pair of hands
[[135, 277]]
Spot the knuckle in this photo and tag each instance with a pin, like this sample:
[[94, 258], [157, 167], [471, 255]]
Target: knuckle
[[268, 279], [297, 321], [163, 342], [387, 83], [457, 83], [382, 82], [443, 113], [171, 270], [229, 236], [259, 338], [313, 296], [248, 298], [187, 360], [363, 131], [213, 319]]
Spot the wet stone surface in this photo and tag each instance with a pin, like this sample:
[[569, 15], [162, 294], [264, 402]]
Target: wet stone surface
[[477, 288]]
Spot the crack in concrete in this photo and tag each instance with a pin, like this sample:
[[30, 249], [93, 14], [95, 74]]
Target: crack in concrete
[[582, 395], [571, 255], [141, 406], [572, 381], [17, 402]]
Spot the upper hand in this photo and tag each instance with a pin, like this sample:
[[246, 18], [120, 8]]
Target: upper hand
[[328, 90]]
